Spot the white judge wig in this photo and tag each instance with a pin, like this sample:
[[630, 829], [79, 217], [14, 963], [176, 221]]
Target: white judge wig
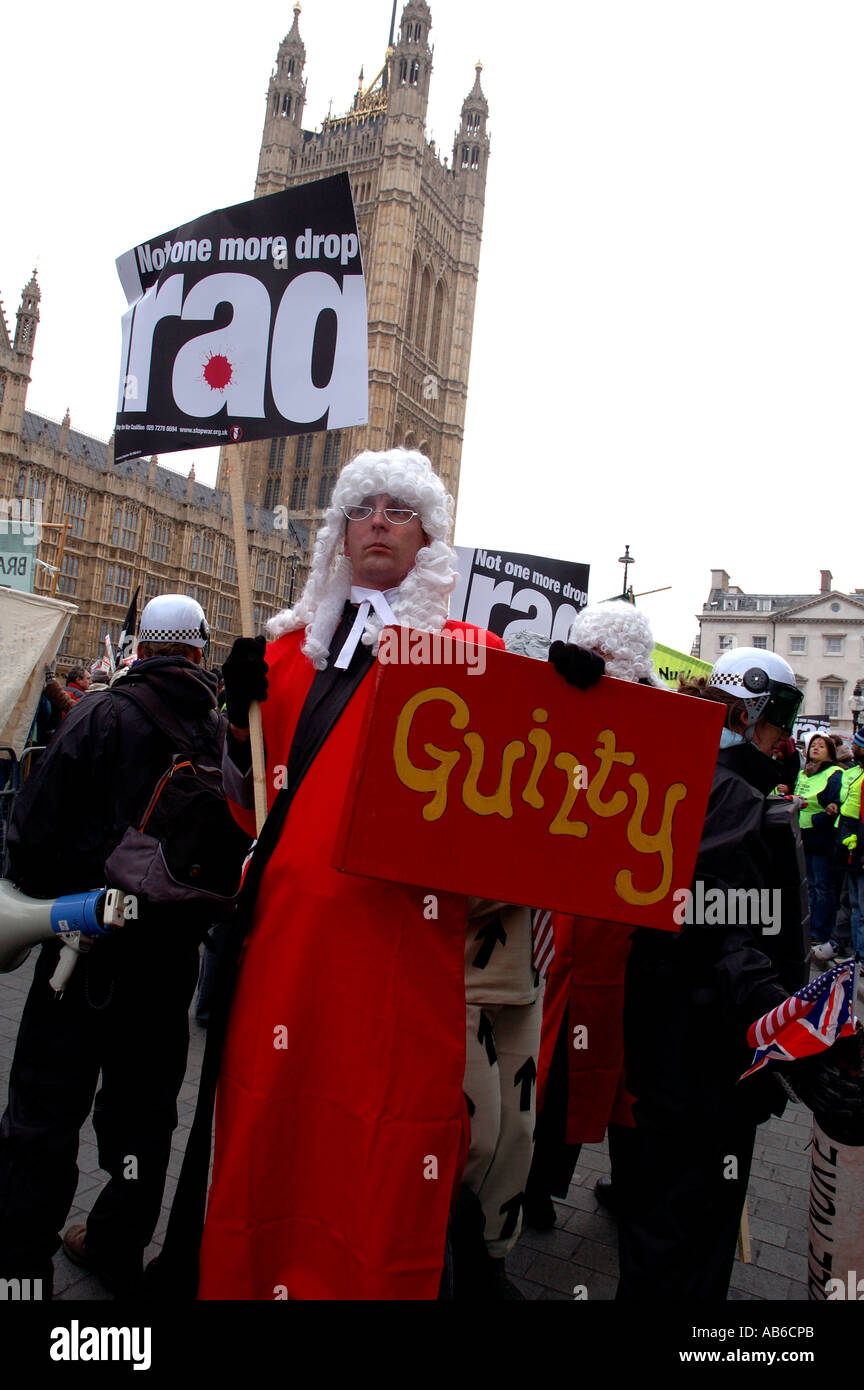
[[621, 634], [421, 599]]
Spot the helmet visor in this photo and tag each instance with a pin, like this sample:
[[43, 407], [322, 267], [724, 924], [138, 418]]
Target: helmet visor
[[784, 701]]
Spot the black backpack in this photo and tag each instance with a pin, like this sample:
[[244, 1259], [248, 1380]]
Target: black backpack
[[186, 846]]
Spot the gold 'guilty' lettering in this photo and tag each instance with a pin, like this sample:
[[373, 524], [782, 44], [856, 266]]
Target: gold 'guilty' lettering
[[435, 780], [561, 825], [542, 745], [608, 757], [428, 779], [644, 843], [501, 802]]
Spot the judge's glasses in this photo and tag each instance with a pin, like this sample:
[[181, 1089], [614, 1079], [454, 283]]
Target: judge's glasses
[[397, 516]]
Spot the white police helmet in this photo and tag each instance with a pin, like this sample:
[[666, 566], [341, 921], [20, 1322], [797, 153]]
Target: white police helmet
[[174, 618], [763, 681]]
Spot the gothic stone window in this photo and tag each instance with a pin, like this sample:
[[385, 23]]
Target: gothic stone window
[[466, 156], [160, 541], [229, 565], [423, 309], [202, 551], [118, 583], [125, 531], [266, 572], [329, 468], [75, 510], [403, 72], [414, 74], [412, 296], [68, 581], [437, 316], [475, 158], [225, 613], [300, 485], [274, 473], [32, 483]]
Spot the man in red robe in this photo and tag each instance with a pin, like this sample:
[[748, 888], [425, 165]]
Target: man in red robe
[[341, 1123]]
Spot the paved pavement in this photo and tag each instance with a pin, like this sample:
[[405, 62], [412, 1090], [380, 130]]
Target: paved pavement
[[581, 1250]]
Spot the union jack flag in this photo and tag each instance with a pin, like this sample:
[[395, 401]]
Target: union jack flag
[[806, 1022]]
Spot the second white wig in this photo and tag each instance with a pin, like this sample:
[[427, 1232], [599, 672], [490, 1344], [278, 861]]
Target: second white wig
[[622, 635], [424, 592]]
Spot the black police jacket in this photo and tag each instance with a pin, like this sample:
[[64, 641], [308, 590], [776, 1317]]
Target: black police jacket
[[691, 997], [98, 773]]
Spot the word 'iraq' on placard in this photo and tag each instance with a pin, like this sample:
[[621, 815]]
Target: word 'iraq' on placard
[[506, 592], [518, 788], [248, 323]]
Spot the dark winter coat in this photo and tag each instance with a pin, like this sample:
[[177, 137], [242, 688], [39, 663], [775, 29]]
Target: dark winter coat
[[690, 998], [98, 773]]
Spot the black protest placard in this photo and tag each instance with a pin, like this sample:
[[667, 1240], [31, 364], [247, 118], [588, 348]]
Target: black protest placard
[[248, 323], [505, 592]]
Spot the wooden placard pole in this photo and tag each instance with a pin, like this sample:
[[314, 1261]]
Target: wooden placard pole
[[247, 623], [744, 1236]]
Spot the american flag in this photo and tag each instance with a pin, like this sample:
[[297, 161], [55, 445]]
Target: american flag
[[544, 940], [806, 1022]]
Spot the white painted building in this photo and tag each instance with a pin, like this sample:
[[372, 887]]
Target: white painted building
[[820, 635]]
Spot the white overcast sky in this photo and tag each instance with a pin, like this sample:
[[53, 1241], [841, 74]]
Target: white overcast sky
[[668, 338]]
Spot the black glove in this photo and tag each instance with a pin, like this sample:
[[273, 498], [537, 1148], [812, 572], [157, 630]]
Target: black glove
[[831, 1084], [577, 665], [245, 677]]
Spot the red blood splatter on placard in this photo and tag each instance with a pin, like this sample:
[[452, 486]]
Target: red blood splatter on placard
[[218, 371]]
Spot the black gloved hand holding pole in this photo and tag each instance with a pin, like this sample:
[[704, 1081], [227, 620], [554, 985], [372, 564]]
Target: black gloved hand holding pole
[[245, 677], [830, 1084], [577, 665]]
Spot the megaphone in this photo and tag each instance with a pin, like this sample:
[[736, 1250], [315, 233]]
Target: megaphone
[[75, 919]]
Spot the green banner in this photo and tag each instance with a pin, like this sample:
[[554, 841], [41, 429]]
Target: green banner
[[670, 664]]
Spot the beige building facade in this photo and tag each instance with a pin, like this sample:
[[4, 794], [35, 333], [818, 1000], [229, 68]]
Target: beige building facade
[[420, 219], [821, 636], [107, 528]]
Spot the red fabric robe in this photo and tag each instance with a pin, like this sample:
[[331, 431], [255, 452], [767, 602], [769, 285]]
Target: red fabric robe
[[341, 1125], [586, 979]]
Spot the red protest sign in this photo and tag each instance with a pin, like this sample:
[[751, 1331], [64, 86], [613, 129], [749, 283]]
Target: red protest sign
[[510, 784]]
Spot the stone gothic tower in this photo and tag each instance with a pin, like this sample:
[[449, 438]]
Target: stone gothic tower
[[420, 222], [16, 360]]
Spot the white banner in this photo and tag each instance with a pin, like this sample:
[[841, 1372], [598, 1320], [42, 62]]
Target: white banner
[[31, 629]]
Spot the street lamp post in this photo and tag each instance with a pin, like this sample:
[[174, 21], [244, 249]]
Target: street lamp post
[[856, 704], [626, 560], [293, 561]]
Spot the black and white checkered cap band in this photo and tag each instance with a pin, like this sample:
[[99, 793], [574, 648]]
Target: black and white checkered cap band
[[734, 680], [171, 634], [727, 678]]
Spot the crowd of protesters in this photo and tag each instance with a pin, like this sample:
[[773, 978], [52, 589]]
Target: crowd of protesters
[[338, 1025]]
